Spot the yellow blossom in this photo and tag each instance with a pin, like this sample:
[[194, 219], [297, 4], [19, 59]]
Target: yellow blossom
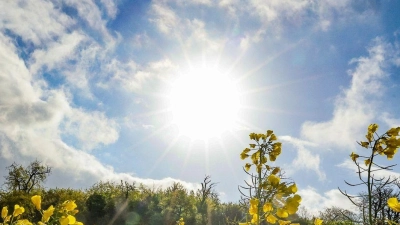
[[252, 145], [367, 162], [247, 166], [274, 180], [47, 213], [18, 210], [372, 128], [297, 198], [293, 188], [282, 213], [393, 131], [354, 156], [282, 222], [275, 170], [4, 212], [271, 219], [23, 222], [269, 132], [181, 222], [364, 144], [255, 218], [37, 201], [65, 220], [253, 206], [318, 221], [394, 204], [69, 205], [243, 155], [267, 207], [273, 137]]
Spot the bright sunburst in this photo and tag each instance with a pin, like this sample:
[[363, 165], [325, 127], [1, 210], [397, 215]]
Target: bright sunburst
[[204, 103]]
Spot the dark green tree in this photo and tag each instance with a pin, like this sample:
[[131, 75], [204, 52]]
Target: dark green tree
[[26, 179]]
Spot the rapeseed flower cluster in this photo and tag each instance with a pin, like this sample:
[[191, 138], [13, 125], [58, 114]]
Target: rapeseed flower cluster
[[180, 222], [386, 144], [65, 214], [274, 200]]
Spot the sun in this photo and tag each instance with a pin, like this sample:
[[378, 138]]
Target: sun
[[204, 103]]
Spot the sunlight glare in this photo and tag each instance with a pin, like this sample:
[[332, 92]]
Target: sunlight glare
[[204, 103]]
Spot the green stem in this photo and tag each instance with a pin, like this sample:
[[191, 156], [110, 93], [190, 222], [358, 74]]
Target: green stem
[[370, 190], [259, 189], [369, 183]]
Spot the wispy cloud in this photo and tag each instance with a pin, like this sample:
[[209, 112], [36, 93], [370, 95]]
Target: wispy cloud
[[315, 202], [356, 107], [305, 158], [36, 22]]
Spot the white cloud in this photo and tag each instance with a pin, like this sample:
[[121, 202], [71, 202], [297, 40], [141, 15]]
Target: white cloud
[[37, 22], [111, 8], [356, 107], [315, 202], [274, 16], [166, 20], [137, 79], [33, 119], [305, 158], [56, 53], [191, 33], [90, 12], [91, 129]]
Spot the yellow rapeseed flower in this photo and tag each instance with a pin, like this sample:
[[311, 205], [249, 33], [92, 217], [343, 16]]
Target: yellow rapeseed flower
[[389, 152], [23, 222], [364, 144], [274, 180], [276, 170], [243, 155], [181, 222], [18, 210], [283, 222], [271, 219], [293, 188], [65, 220], [37, 201], [47, 213], [318, 221], [394, 204], [372, 128], [4, 212], [354, 156], [269, 132], [247, 166], [393, 131], [282, 213], [273, 137], [367, 162], [255, 218], [267, 207], [69, 205]]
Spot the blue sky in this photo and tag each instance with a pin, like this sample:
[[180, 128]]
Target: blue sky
[[168, 90]]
